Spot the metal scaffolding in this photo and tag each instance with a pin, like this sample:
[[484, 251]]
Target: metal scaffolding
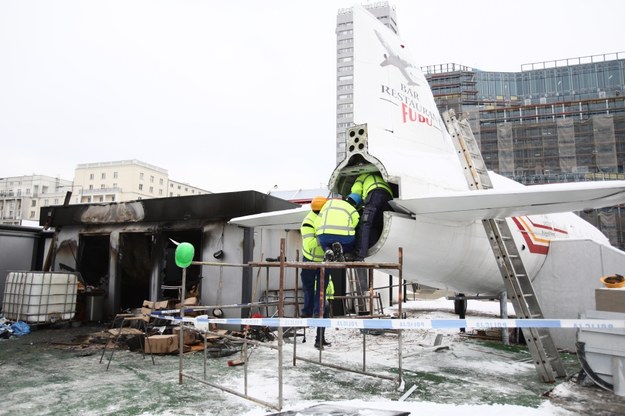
[[283, 265]]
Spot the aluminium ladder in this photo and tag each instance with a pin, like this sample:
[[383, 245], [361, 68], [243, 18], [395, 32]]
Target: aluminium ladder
[[518, 283], [354, 277]]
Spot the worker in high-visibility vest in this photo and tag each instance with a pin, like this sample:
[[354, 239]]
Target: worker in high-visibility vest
[[311, 251], [337, 222], [376, 194]]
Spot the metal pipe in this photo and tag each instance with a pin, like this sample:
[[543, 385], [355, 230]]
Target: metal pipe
[[281, 315], [181, 337], [338, 367], [236, 393]]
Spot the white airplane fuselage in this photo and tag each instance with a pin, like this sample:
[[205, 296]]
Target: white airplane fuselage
[[458, 257]]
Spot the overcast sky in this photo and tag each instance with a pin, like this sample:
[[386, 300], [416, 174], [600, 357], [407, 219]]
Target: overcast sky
[[234, 95]]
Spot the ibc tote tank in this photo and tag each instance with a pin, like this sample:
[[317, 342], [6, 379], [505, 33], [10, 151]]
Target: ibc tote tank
[[40, 297]]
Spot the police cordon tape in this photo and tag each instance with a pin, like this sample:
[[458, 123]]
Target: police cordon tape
[[202, 322]]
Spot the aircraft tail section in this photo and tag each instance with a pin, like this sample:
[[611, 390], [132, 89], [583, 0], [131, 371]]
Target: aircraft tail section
[[406, 139]]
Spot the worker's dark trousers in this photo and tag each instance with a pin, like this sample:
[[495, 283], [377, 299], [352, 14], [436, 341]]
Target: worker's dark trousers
[[321, 335], [371, 220], [309, 276], [321, 332]]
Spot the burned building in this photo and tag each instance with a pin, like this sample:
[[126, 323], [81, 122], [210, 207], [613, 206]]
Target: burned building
[[126, 250]]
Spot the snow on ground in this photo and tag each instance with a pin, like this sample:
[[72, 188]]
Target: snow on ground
[[481, 374], [462, 375]]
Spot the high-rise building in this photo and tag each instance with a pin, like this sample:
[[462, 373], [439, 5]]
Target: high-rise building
[[345, 65]]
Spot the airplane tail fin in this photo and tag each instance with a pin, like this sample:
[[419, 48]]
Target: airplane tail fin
[[405, 130]]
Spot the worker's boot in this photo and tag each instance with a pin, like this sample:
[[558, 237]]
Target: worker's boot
[[320, 339]]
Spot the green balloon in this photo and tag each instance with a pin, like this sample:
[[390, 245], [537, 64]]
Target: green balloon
[[184, 255]]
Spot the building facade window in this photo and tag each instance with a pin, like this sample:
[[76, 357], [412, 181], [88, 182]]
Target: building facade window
[[141, 187]]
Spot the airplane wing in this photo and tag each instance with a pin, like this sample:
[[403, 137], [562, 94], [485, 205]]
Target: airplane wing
[[288, 219], [526, 200]]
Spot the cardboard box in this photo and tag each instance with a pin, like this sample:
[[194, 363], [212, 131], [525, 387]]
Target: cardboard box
[[149, 306], [188, 302], [163, 304], [161, 344], [610, 300], [188, 334]]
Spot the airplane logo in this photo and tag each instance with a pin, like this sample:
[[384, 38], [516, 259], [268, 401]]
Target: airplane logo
[[392, 58]]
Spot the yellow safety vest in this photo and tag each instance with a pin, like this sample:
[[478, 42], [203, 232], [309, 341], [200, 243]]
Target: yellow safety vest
[[329, 288], [367, 182], [337, 217], [311, 250]]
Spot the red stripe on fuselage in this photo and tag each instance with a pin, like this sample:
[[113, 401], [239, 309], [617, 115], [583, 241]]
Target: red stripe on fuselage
[[526, 233]]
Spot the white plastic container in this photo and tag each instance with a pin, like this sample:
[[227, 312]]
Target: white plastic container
[[40, 297]]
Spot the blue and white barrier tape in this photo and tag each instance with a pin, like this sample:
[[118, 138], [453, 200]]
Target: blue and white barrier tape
[[202, 322]]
